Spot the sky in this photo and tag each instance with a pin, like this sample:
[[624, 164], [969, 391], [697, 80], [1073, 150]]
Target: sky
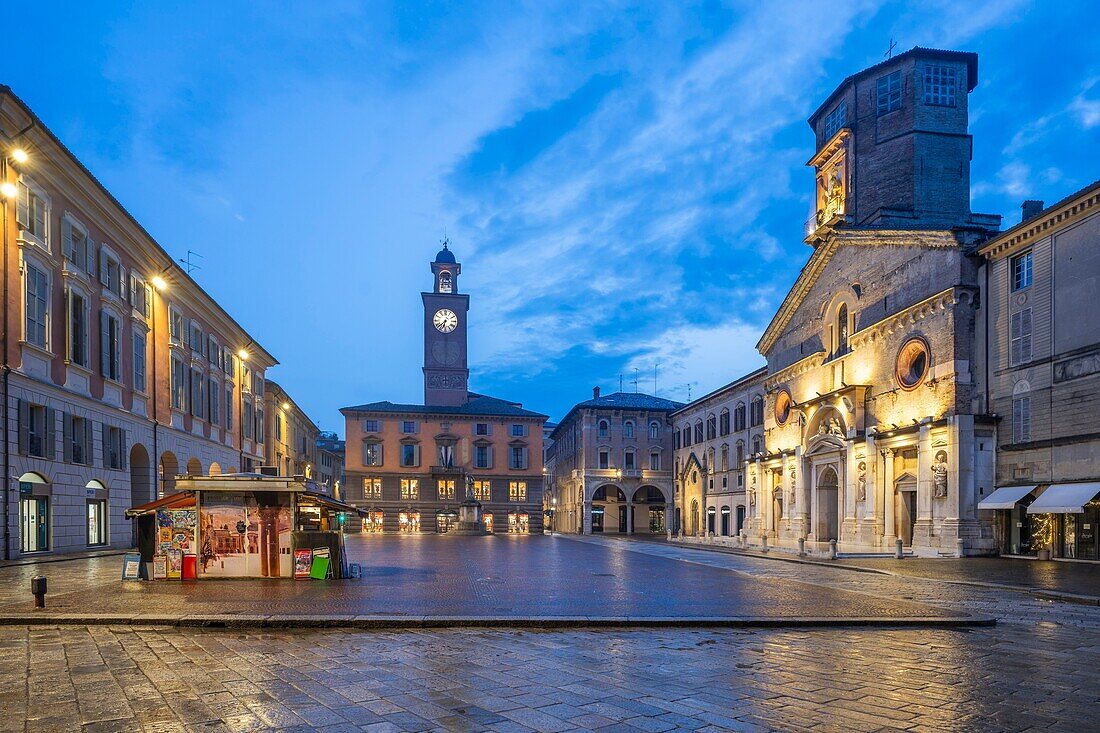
[[624, 185]]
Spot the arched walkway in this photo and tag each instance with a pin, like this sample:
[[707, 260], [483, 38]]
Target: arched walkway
[[215, 469], [194, 467], [609, 509], [169, 470], [649, 506]]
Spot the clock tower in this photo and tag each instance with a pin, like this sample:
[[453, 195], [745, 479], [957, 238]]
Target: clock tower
[[446, 375]]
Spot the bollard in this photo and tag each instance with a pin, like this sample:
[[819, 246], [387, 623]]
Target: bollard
[[898, 551], [802, 547], [741, 539], [764, 543], [38, 588], [832, 549], [960, 551]]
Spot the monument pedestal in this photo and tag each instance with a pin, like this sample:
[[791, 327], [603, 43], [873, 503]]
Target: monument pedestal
[[469, 519]]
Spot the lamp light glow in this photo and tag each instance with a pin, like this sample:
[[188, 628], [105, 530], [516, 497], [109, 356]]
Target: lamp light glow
[[159, 282], [8, 190], [19, 155], [243, 353], [286, 405]]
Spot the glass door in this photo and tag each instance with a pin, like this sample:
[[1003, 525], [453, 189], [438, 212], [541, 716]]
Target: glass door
[[97, 522], [34, 524]]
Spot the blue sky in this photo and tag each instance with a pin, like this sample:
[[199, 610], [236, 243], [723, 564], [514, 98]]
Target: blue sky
[[624, 185]]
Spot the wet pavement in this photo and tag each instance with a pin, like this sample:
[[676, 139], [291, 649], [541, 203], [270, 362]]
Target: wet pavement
[[1038, 669], [502, 576]]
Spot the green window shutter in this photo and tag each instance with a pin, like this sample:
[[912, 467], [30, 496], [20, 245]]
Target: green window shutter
[[50, 444], [67, 436], [122, 457], [23, 208], [104, 344], [67, 239], [88, 457], [24, 427]]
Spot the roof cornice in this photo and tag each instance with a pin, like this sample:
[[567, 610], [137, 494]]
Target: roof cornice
[[1062, 214]]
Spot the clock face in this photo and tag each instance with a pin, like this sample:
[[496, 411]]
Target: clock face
[[445, 320]]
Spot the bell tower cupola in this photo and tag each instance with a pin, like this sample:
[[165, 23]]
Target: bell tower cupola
[[446, 375]]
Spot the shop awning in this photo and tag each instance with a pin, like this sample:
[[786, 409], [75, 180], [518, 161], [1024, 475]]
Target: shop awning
[[179, 500], [1064, 499], [312, 497], [1006, 497]]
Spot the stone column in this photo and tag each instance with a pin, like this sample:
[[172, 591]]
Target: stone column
[[586, 515], [630, 517], [889, 525], [802, 488], [923, 529]]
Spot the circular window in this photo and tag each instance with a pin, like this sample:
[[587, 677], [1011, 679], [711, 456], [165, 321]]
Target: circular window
[[783, 406], [913, 361]]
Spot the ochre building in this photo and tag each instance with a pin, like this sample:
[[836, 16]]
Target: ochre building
[[411, 465]]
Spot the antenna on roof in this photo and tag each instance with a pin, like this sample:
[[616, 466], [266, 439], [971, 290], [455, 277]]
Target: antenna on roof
[[188, 264], [655, 378], [635, 380], [689, 391], [890, 51], [620, 382]]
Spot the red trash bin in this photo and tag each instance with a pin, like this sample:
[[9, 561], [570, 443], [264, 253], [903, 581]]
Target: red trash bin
[[190, 567]]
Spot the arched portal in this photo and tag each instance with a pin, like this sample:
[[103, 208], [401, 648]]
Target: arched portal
[[194, 467], [693, 519], [649, 508], [34, 513], [169, 470], [827, 526], [215, 469], [609, 509]]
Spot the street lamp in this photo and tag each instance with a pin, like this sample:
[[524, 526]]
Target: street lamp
[[242, 357], [159, 286], [8, 190], [19, 155]]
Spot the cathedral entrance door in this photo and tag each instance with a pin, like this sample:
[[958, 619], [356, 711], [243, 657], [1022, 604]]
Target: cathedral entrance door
[[827, 526], [906, 512]]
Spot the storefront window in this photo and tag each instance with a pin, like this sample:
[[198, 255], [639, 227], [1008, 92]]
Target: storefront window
[[518, 523], [408, 522], [487, 518], [444, 522], [656, 520], [373, 522], [97, 522], [34, 521]]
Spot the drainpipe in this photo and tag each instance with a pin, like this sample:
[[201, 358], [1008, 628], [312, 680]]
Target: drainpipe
[[7, 381]]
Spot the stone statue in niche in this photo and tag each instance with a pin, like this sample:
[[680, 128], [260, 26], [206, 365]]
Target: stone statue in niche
[[861, 482], [752, 491], [939, 475], [794, 490], [830, 427]]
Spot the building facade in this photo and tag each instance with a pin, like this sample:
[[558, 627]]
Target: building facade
[[411, 465], [330, 463], [291, 440], [872, 430], [715, 437], [120, 372], [609, 464], [1041, 377]]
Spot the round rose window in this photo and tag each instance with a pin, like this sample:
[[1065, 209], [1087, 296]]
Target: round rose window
[[913, 362], [783, 406]]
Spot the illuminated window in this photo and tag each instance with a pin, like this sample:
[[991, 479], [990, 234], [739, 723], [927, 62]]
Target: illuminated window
[[372, 454], [408, 522], [373, 522], [446, 488], [410, 489], [483, 490], [517, 491], [372, 488], [518, 523]]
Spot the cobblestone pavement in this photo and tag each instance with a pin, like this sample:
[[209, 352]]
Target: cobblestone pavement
[[429, 575], [104, 679], [1038, 669]]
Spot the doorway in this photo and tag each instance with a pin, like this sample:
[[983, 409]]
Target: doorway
[[740, 519], [34, 522], [597, 519], [622, 519], [828, 495], [906, 512]]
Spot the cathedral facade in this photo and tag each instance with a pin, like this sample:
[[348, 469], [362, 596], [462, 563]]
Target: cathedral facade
[[872, 432]]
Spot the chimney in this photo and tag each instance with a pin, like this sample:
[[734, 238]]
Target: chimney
[[595, 393], [1031, 209]]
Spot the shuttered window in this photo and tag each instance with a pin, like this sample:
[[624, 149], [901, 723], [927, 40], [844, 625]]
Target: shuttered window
[[1020, 337], [31, 214], [1021, 419], [37, 306], [110, 357], [74, 242], [36, 432], [77, 322], [139, 362]]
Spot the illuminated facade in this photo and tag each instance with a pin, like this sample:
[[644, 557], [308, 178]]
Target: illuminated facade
[[1041, 376], [122, 373], [410, 465], [872, 433], [609, 466]]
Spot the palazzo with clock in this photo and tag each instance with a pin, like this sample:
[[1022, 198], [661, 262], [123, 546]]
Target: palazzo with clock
[[411, 465]]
